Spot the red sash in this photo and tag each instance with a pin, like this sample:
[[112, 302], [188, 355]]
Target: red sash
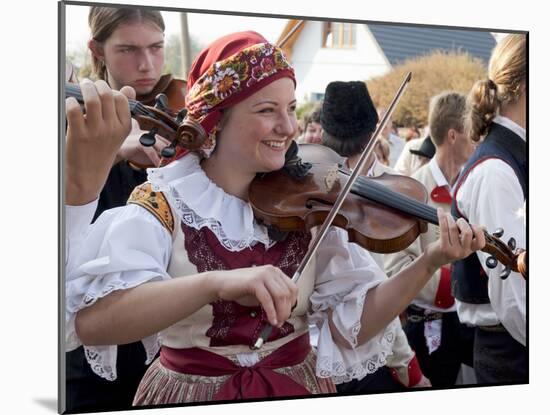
[[258, 381]]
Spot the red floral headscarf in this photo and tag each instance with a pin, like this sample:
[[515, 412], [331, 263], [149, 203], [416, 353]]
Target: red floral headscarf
[[228, 71]]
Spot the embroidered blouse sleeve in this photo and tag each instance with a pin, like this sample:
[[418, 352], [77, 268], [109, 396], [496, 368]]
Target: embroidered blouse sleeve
[[492, 196], [124, 248], [345, 274]]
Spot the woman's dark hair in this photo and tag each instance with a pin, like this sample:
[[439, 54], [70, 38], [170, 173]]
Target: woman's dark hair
[[346, 147]]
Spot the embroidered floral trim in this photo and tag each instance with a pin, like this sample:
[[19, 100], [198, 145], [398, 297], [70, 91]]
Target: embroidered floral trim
[[230, 75]]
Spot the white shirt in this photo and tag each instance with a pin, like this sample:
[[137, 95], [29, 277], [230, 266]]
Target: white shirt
[[492, 196], [396, 147], [437, 174]]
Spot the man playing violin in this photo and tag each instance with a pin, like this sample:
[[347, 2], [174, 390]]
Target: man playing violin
[[441, 343], [127, 49]]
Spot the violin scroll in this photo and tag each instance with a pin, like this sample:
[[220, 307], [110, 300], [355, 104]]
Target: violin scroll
[[513, 259], [190, 134], [522, 263]]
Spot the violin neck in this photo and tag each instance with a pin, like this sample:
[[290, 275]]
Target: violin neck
[[136, 107], [381, 194]]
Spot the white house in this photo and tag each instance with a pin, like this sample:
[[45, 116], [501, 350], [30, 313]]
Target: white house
[[323, 51]]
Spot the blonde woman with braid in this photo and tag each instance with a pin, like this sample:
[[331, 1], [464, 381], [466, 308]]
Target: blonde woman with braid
[[492, 190]]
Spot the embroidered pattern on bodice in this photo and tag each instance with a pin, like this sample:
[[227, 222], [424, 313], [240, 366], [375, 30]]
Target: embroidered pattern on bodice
[[233, 323]]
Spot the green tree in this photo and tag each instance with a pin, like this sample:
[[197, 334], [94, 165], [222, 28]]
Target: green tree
[[81, 60]]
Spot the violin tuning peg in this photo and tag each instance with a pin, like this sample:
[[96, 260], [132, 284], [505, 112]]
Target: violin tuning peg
[[504, 274], [181, 115], [161, 102], [512, 244], [148, 139], [498, 232], [169, 151], [491, 262]]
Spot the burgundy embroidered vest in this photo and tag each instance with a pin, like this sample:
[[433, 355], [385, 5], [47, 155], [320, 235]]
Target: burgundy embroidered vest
[[235, 324]]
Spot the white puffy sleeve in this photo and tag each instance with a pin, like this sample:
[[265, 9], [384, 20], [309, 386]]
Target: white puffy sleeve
[[345, 274], [492, 196], [124, 248]]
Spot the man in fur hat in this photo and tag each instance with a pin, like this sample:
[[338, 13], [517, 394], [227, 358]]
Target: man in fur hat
[[349, 118]]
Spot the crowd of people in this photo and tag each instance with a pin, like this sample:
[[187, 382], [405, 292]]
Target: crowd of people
[[170, 279]]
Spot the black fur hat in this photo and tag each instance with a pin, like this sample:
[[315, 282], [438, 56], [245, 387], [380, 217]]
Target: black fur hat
[[348, 110]]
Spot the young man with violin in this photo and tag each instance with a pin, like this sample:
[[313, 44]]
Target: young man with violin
[[127, 49], [440, 341]]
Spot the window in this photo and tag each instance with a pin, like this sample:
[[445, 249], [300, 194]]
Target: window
[[338, 35], [316, 96]]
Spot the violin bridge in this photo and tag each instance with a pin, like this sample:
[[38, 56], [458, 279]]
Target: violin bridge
[[331, 177]]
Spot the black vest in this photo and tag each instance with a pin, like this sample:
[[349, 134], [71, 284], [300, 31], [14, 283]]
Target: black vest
[[469, 281]]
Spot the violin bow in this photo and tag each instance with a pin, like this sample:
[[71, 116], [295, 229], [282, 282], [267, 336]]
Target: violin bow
[[289, 34], [266, 331]]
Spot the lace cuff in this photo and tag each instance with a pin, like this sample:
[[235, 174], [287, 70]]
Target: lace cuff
[[126, 247], [341, 364], [102, 359]]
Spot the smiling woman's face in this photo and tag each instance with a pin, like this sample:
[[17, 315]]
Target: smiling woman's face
[[257, 131]]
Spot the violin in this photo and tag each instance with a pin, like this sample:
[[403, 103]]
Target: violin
[[382, 214], [173, 89], [159, 119]]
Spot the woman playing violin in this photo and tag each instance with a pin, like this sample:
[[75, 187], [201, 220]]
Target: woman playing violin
[[492, 190], [186, 267]]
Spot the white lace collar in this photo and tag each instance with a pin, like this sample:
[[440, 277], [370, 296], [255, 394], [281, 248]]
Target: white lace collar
[[199, 202]]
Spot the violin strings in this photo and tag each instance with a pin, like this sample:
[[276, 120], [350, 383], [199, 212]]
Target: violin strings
[[388, 197], [429, 212], [419, 207], [382, 194], [425, 212], [391, 198]]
